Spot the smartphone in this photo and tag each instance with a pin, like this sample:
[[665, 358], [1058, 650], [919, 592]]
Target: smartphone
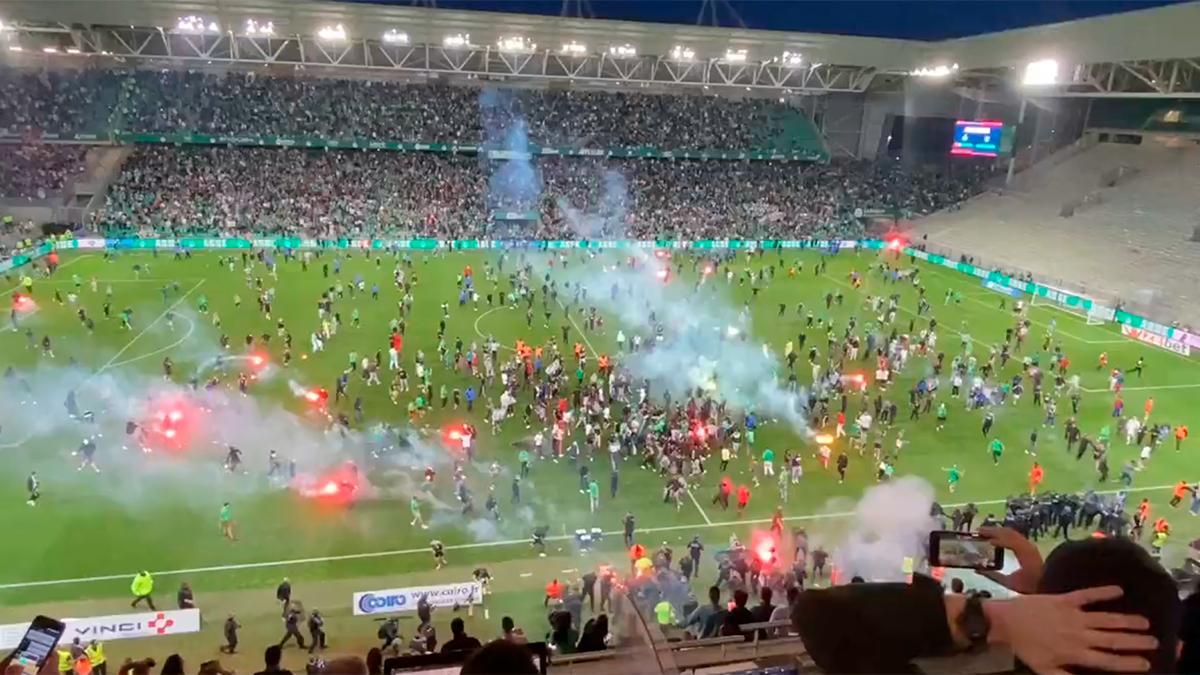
[[948, 548], [38, 644]]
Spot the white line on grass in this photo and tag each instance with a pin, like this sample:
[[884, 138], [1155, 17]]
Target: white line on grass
[[481, 544], [480, 333], [699, 508], [1150, 387], [191, 329], [150, 325], [65, 265]]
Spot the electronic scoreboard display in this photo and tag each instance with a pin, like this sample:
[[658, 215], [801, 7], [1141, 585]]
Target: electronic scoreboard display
[[977, 138]]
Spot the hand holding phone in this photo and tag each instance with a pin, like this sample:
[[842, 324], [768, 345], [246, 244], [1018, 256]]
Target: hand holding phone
[[38, 644], [967, 550]]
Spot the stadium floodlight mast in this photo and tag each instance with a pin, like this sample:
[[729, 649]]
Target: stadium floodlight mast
[[1041, 73], [457, 41], [195, 25], [573, 48], [516, 44], [625, 51], [332, 33], [395, 37], [735, 56], [256, 29], [681, 53], [938, 71]]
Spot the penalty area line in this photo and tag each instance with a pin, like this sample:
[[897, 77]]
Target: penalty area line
[[150, 325], [481, 544]]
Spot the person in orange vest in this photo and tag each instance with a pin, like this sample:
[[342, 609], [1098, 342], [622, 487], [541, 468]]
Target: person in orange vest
[[1161, 525], [743, 498], [1181, 490], [1139, 519], [578, 351], [1103, 362], [636, 553], [1035, 477], [603, 364], [1181, 433], [553, 592], [1148, 408], [723, 492]]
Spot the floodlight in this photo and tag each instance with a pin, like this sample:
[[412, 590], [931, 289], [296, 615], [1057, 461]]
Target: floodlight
[[938, 71], [1040, 73], [573, 48], [332, 33], [738, 56], [194, 24], [263, 29], [791, 59], [681, 53], [457, 41], [623, 51], [395, 37], [516, 43]]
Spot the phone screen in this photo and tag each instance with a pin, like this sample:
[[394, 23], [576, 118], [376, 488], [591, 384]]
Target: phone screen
[[38, 644], [963, 549]]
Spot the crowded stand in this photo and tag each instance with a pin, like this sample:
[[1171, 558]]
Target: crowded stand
[[183, 189], [34, 171]]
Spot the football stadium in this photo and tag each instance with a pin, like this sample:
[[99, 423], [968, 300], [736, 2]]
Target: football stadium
[[381, 338]]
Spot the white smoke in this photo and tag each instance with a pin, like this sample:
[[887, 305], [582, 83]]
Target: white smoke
[[891, 522]]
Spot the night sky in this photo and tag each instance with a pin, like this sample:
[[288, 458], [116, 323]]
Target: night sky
[[915, 19]]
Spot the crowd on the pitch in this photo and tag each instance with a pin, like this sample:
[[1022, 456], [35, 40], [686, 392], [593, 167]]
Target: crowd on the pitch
[[327, 193]]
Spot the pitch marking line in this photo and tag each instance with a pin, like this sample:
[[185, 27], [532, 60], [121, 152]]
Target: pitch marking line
[[65, 265], [191, 329], [699, 508], [482, 544], [480, 333], [150, 325]]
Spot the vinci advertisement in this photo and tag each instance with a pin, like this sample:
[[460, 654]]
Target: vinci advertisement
[[405, 599], [1156, 340], [113, 627]]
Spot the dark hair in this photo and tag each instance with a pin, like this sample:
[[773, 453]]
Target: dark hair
[[500, 657], [173, 665], [793, 593], [375, 661], [714, 594], [507, 625], [740, 598], [766, 595], [272, 655], [1149, 589], [957, 585], [456, 626]]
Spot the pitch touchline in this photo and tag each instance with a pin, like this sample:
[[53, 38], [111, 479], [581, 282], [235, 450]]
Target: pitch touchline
[[483, 544], [65, 265]]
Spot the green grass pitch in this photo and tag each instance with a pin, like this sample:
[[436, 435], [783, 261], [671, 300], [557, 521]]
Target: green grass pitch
[[87, 540]]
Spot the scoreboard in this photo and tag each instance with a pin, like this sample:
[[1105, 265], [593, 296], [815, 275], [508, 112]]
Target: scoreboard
[[977, 138]]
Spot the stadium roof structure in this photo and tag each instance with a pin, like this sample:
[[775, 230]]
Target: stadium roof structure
[[1146, 53]]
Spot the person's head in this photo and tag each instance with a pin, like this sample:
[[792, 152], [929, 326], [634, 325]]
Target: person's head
[[957, 585], [1149, 590], [456, 627], [173, 665], [714, 594], [793, 593], [766, 595], [345, 665], [740, 598], [507, 625], [185, 586], [500, 657], [857, 579], [272, 656], [374, 661], [601, 626]]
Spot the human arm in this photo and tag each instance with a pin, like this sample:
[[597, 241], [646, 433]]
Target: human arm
[[1026, 578]]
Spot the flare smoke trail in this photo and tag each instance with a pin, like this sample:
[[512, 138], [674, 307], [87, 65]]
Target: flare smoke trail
[[891, 522]]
